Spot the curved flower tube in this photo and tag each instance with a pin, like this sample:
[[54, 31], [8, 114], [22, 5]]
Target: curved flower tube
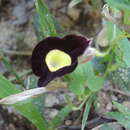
[[54, 57]]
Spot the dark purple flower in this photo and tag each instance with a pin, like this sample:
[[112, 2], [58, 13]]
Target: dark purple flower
[[54, 57]]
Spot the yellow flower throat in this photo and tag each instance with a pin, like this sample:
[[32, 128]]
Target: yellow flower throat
[[57, 59]]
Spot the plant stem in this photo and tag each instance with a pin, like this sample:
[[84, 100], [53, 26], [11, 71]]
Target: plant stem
[[12, 52], [90, 124]]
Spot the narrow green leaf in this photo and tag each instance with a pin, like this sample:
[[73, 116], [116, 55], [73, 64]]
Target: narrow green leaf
[[86, 112], [28, 110], [127, 17], [31, 112], [125, 48], [45, 19], [6, 88]]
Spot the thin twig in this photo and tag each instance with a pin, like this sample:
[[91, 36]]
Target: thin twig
[[117, 91], [12, 52], [90, 124], [22, 96], [27, 94]]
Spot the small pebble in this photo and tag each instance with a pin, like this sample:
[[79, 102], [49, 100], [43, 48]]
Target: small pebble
[[109, 106], [68, 122]]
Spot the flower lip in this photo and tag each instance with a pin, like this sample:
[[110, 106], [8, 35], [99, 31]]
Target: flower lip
[[72, 45], [56, 59]]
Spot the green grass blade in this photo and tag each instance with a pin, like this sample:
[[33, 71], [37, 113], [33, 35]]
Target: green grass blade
[[27, 110], [45, 20], [86, 112]]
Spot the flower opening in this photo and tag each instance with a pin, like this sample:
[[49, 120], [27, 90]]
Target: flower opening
[[57, 59]]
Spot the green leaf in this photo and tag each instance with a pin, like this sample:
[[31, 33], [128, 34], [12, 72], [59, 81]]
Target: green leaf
[[31, 112], [84, 76], [124, 120], [28, 110], [120, 4], [45, 20], [59, 118], [122, 108], [127, 17], [78, 80], [125, 48], [74, 2], [77, 87], [94, 82], [123, 116], [86, 112], [111, 31]]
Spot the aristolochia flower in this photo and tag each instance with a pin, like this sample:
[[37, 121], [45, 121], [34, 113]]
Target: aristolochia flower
[[54, 57]]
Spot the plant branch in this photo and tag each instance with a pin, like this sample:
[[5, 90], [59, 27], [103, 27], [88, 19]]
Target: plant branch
[[12, 52], [22, 96], [91, 124], [117, 91], [27, 94]]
